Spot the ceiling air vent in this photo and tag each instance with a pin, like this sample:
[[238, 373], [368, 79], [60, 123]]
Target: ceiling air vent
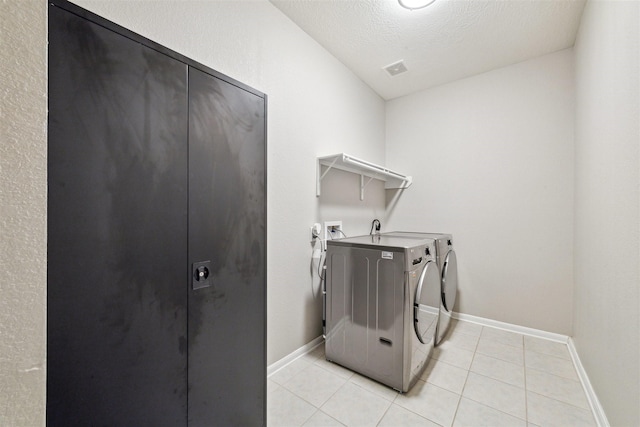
[[396, 68]]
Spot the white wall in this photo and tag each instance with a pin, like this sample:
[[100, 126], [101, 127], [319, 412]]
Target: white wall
[[492, 162], [607, 214], [23, 221]]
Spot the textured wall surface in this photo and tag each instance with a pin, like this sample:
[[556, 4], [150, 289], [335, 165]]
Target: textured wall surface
[[23, 195], [492, 161], [316, 107], [444, 42], [607, 208]]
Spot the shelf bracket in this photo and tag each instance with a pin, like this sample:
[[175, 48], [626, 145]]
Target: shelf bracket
[[363, 185], [319, 176]]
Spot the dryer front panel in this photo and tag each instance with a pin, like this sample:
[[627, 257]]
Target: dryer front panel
[[449, 281], [427, 305]]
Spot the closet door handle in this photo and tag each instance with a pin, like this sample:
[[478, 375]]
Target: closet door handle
[[201, 275]]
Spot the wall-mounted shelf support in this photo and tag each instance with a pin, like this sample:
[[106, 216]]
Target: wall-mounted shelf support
[[363, 185], [363, 168]]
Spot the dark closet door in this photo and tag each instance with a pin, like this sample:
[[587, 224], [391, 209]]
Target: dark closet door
[[117, 227], [227, 203]]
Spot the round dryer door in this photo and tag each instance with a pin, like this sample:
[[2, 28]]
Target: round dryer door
[[426, 307], [449, 281]]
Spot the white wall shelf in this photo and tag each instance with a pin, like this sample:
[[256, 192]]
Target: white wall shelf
[[345, 162]]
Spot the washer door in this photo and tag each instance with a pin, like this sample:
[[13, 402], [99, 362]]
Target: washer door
[[449, 281], [426, 306]]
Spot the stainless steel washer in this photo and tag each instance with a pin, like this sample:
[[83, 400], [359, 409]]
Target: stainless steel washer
[[382, 306], [448, 265]]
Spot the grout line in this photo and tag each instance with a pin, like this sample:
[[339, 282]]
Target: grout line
[[502, 360], [496, 409], [326, 400], [553, 374], [496, 379], [383, 415], [324, 368], [415, 413], [455, 414], [420, 415], [553, 355], [311, 416], [560, 401]]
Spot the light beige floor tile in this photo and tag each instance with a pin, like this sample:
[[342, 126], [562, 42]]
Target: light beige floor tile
[[465, 327], [550, 364], [496, 394], [462, 340], [544, 411], [497, 369], [503, 337], [285, 409], [315, 385], [381, 390], [549, 347], [319, 351], [500, 351], [445, 375], [334, 368], [492, 390], [453, 355], [397, 416], [286, 373], [555, 387], [272, 386], [432, 402], [355, 406], [320, 419], [314, 355], [474, 414]]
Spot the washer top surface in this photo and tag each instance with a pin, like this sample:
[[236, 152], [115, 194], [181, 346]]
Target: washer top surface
[[416, 235], [381, 241]]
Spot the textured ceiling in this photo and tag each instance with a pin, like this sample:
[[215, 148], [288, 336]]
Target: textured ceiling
[[446, 41]]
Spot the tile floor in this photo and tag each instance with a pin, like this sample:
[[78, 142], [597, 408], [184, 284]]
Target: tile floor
[[480, 376]]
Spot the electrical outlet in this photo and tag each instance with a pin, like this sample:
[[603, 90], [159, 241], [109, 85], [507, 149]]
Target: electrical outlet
[[332, 230], [316, 229]]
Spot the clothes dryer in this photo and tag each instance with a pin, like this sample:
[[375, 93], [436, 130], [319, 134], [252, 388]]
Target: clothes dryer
[[448, 265], [382, 306]]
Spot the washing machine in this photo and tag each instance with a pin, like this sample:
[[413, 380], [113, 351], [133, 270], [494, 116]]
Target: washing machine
[[382, 306], [448, 265]]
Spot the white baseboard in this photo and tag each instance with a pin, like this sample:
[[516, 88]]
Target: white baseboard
[[307, 348], [512, 328], [594, 403]]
